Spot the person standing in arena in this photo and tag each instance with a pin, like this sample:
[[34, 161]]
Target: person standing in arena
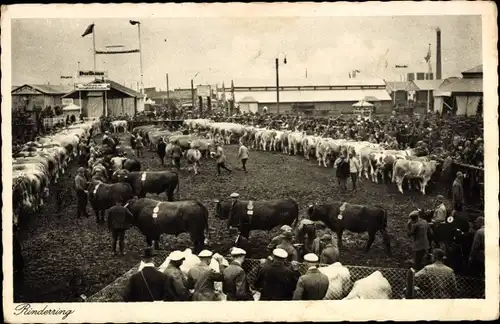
[[458, 192], [81, 186], [161, 150], [314, 284], [354, 169], [286, 244], [275, 241], [419, 231], [176, 155], [176, 281], [139, 145], [342, 171], [243, 156], [476, 257], [119, 220], [235, 284], [221, 159], [202, 277]]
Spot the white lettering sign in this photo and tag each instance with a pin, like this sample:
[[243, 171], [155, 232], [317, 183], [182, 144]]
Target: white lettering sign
[[203, 91], [92, 73], [67, 101], [94, 86]]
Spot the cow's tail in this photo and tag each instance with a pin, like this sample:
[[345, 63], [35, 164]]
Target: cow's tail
[[296, 210]]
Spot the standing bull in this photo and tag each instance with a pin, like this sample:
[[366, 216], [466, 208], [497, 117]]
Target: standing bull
[[103, 196], [340, 216], [264, 215], [154, 217], [151, 182]]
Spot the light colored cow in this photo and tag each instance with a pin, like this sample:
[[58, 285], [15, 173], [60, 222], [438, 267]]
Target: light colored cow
[[413, 170]]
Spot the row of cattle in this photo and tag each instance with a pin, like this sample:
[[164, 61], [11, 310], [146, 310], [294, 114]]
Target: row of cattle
[[377, 161], [40, 163]]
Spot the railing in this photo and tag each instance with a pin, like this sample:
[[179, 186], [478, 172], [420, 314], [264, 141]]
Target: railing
[[54, 121], [403, 283]]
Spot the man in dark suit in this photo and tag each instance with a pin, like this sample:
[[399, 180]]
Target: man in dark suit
[[419, 231], [235, 284], [149, 284], [161, 150], [458, 192], [276, 280], [202, 277], [314, 284], [177, 289], [119, 220]]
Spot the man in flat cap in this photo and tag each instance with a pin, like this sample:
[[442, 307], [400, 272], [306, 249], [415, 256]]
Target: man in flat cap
[[276, 280], [287, 245], [330, 252], [235, 284], [419, 231], [201, 278], [458, 192], [440, 213], [148, 284], [275, 241], [176, 282], [313, 285]]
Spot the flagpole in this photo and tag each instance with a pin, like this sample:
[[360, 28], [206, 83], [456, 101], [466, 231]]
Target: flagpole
[[93, 41], [140, 55]]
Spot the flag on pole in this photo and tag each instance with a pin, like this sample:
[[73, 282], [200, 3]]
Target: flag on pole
[[89, 30], [134, 22], [428, 56]]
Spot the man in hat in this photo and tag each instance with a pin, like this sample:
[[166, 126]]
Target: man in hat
[[330, 252], [275, 241], [235, 284], [243, 220], [176, 155], [440, 213], [139, 145], [243, 156], [148, 284], [161, 150], [176, 281], [81, 186], [440, 278], [119, 220], [458, 192], [287, 245], [221, 159], [201, 278], [476, 257], [354, 169], [342, 171], [419, 231], [275, 280], [313, 285]]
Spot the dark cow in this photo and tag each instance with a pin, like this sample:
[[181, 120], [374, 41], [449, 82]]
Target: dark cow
[[151, 182], [340, 216], [154, 217], [103, 196], [131, 165], [267, 214]]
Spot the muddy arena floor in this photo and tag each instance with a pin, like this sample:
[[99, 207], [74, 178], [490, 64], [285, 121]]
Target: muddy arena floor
[[66, 257]]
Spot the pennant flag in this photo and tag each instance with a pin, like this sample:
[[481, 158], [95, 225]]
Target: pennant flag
[[428, 56], [89, 30], [134, 22]]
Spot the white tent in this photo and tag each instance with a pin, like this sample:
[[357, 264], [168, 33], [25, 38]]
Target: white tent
[[362, 103], [71, 107]]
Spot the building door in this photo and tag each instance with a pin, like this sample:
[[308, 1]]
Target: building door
[[95, 104]]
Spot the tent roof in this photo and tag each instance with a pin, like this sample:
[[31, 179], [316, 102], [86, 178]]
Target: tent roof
[[477, 69], [54, 89], [362, 103], [401, 86], [428, 85], [463, 85]]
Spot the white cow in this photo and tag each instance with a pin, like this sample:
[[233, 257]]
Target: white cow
[[116, 124]]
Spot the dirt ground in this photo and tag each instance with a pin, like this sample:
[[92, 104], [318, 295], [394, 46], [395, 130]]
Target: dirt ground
[[66, 257]]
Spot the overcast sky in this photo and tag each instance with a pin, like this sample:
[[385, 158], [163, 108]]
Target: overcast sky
[[243, 49]]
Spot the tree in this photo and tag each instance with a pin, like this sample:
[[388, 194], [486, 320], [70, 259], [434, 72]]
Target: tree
[[58, 110]]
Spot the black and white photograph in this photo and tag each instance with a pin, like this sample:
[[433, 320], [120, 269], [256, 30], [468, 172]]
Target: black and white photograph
[[247, 153]]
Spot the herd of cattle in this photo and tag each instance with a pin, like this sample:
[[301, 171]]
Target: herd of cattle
[[378, 161]]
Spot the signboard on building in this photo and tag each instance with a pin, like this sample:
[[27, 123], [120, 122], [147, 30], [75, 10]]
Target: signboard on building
[[203, 91], [93, 86], [67, 101], [93, 73]]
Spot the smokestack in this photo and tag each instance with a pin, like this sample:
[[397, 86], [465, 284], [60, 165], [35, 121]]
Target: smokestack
[[438, 54]]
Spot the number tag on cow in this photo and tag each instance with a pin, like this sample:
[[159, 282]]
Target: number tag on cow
[[342, 208], [339, 216], [249, 212], [450, 219], [143, 178], [156, 210], [96, 187]]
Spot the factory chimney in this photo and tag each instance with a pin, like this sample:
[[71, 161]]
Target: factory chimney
[[438, 54]]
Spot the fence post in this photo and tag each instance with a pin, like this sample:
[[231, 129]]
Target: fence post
[[410, 287]]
